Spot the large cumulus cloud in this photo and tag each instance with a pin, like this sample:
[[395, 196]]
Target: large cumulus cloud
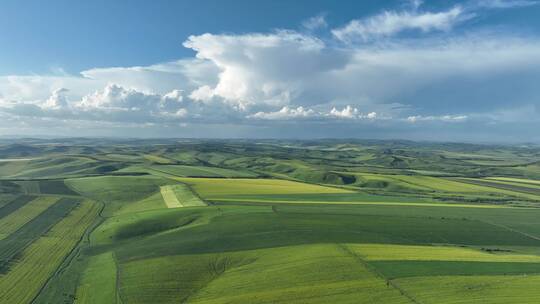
[[367, 71]]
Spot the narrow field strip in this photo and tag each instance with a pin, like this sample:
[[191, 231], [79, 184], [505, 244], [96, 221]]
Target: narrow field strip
[[232, 200], [409, 269], [214, 188], [522, 289], [170, 197], [24, 236], [517, 180], [383, 252], [23, 215], [180, 195], [503, 188], [100, 275], [528, 186], [40, 260], [17, 203]]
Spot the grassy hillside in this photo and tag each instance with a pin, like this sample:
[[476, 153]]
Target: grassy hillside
[[192, 221]]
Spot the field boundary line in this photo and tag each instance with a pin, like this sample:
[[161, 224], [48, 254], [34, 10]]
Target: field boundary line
[[512, 230], [378, 274], [194, 193], [118, 295]]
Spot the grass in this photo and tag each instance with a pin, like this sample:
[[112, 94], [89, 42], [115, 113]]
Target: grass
[[180, 195], [30, 187], [256, 276], [201, 171], [152, 202], [57, 167], [116, 191], [18, 240], [212, 188], [499, 289], [169, 197], [384, 234], [402, 269], [23, 215], [158, 159], [10, 168], [40, 260], [15, 204], [509, 188], [517, 180], [100, 275], [55, 187], [385, 252]]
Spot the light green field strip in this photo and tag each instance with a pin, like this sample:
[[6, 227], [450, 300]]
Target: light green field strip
[[216, 187], [180, 196], [152, 202], [157, 159], [23, 215], [492, 188], [522, 289], [382, 252], [170, 197], [517, 180], [523, 183], [98, 283], [39, 261], [366, 203]]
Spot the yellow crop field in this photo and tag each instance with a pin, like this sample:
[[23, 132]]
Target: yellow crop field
[[216, 187], [517, 180]]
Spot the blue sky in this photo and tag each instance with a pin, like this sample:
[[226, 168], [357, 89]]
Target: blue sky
[[433, 70]]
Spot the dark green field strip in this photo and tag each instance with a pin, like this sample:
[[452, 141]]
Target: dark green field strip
[[20, 239], [230, 232], [402, 269], [17, 203], [55, 187], [327, 197], [516, 188]]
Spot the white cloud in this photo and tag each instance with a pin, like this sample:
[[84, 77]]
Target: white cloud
[[347, 112], [58, 99], [505, 3], [315, 23], [390, 23], [263, 68], [443, 118], [285, 113], [203, 93]]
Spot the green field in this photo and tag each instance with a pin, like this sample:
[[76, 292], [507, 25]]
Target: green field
[[193, 221]]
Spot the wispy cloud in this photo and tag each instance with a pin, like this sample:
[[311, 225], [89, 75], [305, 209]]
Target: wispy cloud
[[315, 22], [390, 23], [505, 3], [443, 118]]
